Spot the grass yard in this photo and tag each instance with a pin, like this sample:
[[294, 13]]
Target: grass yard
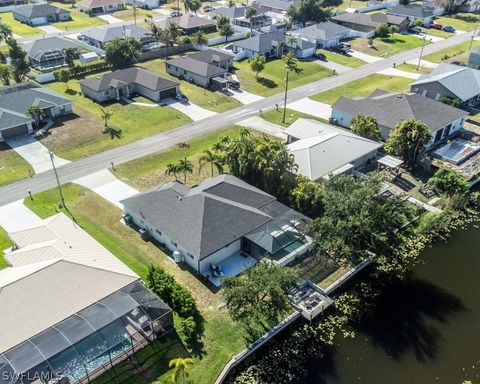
[[271, 80], [149, 171], [435, 32], [12, 166], [17, 27], [348, 61], [74, 138], [79, 19], [460, 21], [364, 87], [128, 14], [214, 101], [5, 243], [351, 4], [291, 116], [458, 52], [413, 68], [222, 338], [386, 47]]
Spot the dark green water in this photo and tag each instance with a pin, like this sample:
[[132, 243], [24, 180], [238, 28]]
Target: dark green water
[[427, 329]]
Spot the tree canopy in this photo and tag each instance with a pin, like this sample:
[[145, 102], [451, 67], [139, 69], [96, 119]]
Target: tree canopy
[[408, 140], [449, 182], [224, 27], [312, 10], [382, 30], [121, 53], [365, 126], [18, 60], [257, 64]]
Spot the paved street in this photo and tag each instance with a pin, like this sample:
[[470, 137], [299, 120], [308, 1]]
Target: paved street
[[83, 167]]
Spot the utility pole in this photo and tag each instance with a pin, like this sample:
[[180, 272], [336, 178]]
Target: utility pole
[[58, 180], [286, 91], [135, 12], [471, 40], [421, 52]]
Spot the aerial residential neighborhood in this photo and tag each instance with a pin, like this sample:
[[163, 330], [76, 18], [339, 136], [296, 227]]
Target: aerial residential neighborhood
[[227, 192]]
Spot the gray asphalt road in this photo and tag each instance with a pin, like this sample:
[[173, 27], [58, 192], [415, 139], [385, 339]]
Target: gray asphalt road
[[155, 143]]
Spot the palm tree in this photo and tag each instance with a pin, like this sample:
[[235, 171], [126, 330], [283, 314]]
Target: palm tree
[[291, 64], [5, 74], [173, 32], [224, 27], [106, 115], [70, 55], [181, 368], [199, 38], [5, 32], [212, 158], [192, 5], [172, 169], [36, 113], [249, 15], [185, 166]]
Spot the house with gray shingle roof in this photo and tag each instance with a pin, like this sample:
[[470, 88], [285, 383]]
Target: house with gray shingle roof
[[389, 109], [220, 220], [415, 11], [451, 81], [324, 34], [100, 6], [127, 83], [39, 14], [189, 23], [196, 71], [16, 99], [99, 36]]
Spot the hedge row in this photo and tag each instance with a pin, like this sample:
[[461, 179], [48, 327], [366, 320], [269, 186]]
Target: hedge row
[[86, 69]]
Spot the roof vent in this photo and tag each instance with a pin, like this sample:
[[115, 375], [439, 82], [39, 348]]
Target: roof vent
[[179, 198], [400, 96]]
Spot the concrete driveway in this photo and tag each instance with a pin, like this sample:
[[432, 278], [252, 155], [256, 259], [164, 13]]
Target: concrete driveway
[[244, 97], [311, 107], [259, 124], [398, 72], [35, 153], [339, 68], [49, 29], [364, 56], [108, 186], [193, 111], [16, 216], [423, 63], [110, 19]]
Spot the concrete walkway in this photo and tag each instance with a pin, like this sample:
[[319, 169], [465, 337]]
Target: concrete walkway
[[311, 107], [110, 19], [35, 153], [425, 206], [365, 57], [108, 186], [16, 216], [423, 63], [398, 72], [244, 97], [259, 124], [193, 111], [339, 68], [49, 29]]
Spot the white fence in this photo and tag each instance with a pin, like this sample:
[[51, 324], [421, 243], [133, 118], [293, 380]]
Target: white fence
[[221, 39], [43, 78]]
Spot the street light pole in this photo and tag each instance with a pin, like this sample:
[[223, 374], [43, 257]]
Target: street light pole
[[421, 52], [285, 97], [473, 37]]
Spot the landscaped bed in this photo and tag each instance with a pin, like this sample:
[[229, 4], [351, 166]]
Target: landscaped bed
[[214, 101], [364, 87], [222, 338], [12, 166], [271, 79], [388, 46], [74, 137]]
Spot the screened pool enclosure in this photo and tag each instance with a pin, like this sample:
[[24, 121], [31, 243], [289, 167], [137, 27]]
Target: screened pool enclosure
[[83, 345]]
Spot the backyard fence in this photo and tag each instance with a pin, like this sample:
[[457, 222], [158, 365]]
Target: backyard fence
[[160, 53]]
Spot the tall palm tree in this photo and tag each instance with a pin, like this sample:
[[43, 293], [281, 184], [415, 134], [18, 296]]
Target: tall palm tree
[[213, 158], [224, 27], [181, 369], [173, 32], [185, 166], [249, 15], [70, 55], [36, 113], [172, 169], [106, 115], [199, 38], [192, 5], [5, 32]]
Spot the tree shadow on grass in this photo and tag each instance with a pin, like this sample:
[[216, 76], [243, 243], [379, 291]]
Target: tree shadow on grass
[[196, 345], [267, 82], [404, 319], [71, 92], [114, 133]]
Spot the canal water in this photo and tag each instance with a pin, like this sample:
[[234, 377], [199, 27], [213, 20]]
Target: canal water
[[426, 329]]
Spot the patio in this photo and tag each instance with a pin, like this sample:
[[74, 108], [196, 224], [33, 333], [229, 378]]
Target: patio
[[231, 266]]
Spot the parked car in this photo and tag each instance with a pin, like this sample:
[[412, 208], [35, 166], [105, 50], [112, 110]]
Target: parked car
[[233, 84], [208, 8], [414, 30], [175, 14], [458, 63], [181, 98], [320, 56], [436, 26], [345, 45], [144, 235], [448, 28]]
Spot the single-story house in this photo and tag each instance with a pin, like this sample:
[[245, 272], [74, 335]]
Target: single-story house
[[321, 150], [402, 22], [189, 23], [451, 81], [367, 23], [100, 6], [99, 36], [221, 219], [216, 57], [39, 14], [195, 71], [414, 11], [126, 83], [16, 99], [145, 4], [269, 45], [230, 12], [389, 109], [324, 34], [48, 52], [237, 16], [277, 6], [89, 308]]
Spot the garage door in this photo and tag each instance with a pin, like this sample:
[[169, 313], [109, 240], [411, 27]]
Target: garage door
[[15, 131], [168, 93]]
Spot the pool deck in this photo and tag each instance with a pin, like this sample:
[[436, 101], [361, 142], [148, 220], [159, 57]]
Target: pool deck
[[231, 266]]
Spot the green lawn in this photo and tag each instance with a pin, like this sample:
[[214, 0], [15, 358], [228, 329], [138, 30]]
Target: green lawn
[[271, 80], [79, 19], [12, 166], [364, 87], [435, 32], [73, 138], [458, 52], [5, 243], [222, 337], [460, 21], [17, 27], [351, 4], [387, 47], [149, 171], [128, 14], [348, 61], [291, 116], [214, 101], [413, 68]]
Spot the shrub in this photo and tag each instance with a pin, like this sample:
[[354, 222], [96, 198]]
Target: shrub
[[86, 69], [189, 328]]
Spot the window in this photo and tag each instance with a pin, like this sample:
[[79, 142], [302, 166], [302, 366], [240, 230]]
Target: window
[[160, 233], [107, 93], [174, 244], [190, 255], [169, 66]]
